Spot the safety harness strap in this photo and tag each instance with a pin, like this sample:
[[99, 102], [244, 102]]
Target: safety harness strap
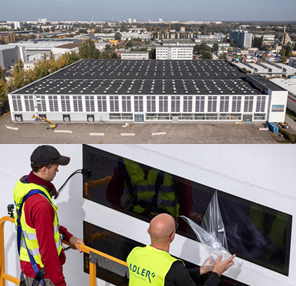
[[39, 273]]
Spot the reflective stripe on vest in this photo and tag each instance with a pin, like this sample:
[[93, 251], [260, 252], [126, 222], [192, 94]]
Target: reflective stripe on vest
[[29, 234], [148, 266]]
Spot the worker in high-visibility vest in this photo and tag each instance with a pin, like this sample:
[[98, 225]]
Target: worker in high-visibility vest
[[153, 265], [40, 245], [148, 191]]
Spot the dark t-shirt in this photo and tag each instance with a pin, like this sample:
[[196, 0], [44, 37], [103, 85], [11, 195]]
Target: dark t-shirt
[[178, 275]]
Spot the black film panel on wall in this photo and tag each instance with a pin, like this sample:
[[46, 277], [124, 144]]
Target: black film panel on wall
[[119, 246], [254, 232]]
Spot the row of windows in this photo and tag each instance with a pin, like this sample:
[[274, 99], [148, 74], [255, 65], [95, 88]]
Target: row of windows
[[166, 116], [202, 116], [153, 103]]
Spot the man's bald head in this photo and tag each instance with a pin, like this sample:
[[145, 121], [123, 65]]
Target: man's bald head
[[161, 227]]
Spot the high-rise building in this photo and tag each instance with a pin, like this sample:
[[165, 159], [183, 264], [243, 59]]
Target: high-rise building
[[18, 25], [241, 38]]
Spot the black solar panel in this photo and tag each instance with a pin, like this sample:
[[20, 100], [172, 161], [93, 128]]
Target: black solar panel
[[144, 77]]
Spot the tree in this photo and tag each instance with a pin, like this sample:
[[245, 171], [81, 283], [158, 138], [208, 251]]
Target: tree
[[117, 36], [222, 56], [207, 55], [129, 44], [108, 48], [283, 59], [18, 76], [258, 42], [288, 51], [215, 47], [42, 67], [88, 50], [82, 31], [3, 90], [2, 75], [152, 54], [200, 49], [232, 43], [71, 58], [3, 86]]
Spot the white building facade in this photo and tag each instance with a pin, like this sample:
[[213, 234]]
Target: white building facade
[[135, 56], [149, 91], [174, 53], [241, 38]]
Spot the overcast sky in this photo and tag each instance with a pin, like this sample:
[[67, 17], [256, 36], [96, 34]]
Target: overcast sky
[[224, 10]]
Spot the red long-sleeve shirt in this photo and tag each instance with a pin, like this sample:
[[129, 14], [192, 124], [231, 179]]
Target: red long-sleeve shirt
[[40, 216]]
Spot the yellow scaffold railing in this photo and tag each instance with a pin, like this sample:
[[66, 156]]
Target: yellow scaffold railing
[[95, 257]]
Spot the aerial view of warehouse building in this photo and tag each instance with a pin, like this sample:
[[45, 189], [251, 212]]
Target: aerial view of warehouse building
[[150, 91]]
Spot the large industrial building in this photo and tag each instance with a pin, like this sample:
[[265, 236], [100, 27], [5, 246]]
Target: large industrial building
[[150, 91], [290, 86], [10, 53], [268, 69]]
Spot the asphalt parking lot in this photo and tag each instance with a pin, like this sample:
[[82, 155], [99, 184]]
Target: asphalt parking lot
[[140, 133]]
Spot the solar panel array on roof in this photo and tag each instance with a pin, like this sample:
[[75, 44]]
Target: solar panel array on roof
[[144, 77], [155, 69]]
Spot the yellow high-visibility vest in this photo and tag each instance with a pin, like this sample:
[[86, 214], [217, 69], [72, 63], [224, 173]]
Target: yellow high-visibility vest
[[148, 266], [144, 190], [29, 234]]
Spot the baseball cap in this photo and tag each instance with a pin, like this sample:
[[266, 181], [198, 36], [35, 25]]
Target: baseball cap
[[47, 154]]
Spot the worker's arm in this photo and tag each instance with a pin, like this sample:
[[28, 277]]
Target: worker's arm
[[76, 241], [42, 218], [178, 275]]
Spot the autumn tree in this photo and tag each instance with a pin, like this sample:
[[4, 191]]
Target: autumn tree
[[3, 86], [88, 50], [41, 68], [18, 76]]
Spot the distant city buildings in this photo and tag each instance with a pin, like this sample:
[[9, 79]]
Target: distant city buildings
[[43, 20], [268, 69], [175, 49], [292, 62], [18, 25], [66, 48], [135, 55], [241, 38], [174, 53], [178, 42], [210, 38], [10, 53], [268, 39], [7, 37]]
